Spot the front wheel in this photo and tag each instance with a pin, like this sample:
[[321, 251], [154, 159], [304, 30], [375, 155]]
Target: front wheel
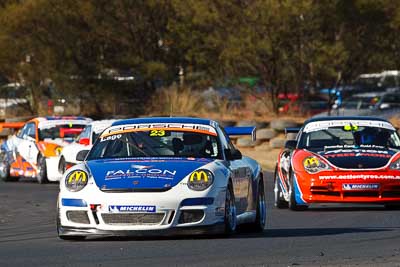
[[293, 205], [41, 170], [230, 211], [62, 166]]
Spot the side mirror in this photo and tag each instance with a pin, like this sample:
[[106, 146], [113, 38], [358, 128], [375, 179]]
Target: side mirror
[[233, 154], [84, 141], [81, 156], [291, 144]]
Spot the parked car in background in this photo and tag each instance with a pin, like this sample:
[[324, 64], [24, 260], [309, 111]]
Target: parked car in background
[[382, 104], [34, 151], [162, 176], [84, 141]]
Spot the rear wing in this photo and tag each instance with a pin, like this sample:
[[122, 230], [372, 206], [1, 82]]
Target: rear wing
[[242, 130], [292, 130], [11, 125]]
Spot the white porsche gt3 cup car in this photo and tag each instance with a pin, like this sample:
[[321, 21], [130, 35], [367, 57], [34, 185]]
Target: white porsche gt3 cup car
[[161, 176], [84, 142]]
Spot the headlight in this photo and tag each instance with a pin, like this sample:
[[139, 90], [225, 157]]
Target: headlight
[[395, 165], [76, 180], [313, 164], [200, 180]]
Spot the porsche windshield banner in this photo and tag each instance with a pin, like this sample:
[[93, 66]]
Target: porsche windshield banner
[[323, 125]]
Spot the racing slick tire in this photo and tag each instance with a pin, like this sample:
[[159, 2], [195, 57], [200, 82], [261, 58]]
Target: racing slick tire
[[41, 175], [230, 211], [261, 213], [279, 202], [292, 198]]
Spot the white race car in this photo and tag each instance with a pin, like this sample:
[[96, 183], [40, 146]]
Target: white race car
[[158, 176], [84, 142], [34, 152]]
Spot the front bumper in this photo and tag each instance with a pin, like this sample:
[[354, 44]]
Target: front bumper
[[176, 210], [349, 187]]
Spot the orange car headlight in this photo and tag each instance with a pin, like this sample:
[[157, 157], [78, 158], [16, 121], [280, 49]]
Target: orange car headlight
[[313, 164]]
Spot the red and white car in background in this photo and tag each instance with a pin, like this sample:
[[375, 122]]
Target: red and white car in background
[[84, 142], [35, 150]]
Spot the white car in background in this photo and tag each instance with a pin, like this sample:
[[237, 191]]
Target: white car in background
[[84, 142]]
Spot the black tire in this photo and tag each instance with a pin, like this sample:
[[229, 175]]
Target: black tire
[[41, 175], [392, 206], [230, 211], [261, 213], [62, 167], [5, 173], [293, 205], [279, 202]]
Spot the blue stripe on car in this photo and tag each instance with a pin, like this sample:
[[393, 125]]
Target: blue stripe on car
[[197, 201], [297, 193], [72, 202]]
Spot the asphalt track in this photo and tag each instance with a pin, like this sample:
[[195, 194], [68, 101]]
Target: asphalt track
[[324, 235]]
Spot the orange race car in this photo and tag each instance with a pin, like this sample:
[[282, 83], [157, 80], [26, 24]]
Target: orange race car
[[339, 159], [35, 150]]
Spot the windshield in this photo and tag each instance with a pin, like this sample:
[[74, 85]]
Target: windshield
[[156, 143], [65, 131], [349, 136]]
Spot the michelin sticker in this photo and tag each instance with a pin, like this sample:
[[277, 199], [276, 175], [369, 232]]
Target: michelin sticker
[[131, 208], [360, 186]]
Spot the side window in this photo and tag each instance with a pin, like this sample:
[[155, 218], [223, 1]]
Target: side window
[[226, 141]]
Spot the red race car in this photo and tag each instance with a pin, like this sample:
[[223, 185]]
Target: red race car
[[339, 159]]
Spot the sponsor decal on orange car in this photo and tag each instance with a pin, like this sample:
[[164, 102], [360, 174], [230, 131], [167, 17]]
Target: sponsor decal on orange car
[[358, 176]]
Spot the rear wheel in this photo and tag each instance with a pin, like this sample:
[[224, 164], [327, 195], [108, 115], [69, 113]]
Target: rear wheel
[[293, 205], [41, 175], [5, 172], [230, 211], [279, 202]]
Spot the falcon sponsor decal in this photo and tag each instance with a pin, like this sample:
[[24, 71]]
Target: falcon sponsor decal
[[359, 176], [131, 208], [140, 171], [360, 186]]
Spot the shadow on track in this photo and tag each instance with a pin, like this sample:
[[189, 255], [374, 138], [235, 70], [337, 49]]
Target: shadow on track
[[267, 233]]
